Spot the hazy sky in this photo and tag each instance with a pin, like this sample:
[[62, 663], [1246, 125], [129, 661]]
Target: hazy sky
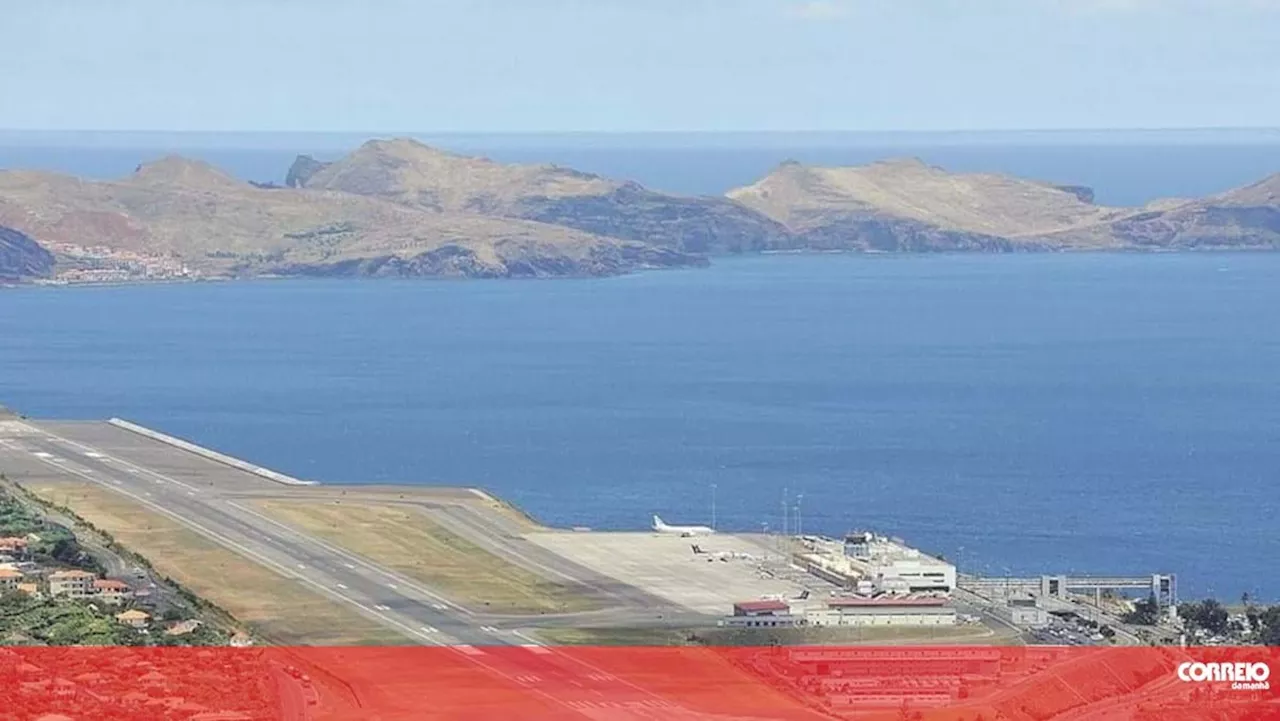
[[536, 65]]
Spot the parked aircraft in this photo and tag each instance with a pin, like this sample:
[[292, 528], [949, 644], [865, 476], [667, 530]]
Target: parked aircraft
[[685, 531]]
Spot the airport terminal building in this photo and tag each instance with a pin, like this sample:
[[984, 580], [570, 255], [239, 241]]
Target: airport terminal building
[[872, 564]]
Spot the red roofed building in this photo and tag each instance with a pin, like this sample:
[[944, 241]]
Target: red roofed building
[[109, 590], [766, 613], [13, 546], [760, 608], [9, 579]]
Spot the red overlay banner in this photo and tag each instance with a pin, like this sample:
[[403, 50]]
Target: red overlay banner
[[518, 683]]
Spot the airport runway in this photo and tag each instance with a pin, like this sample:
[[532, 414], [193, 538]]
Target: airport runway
[[498, 534], [197, 498], [210, 499]]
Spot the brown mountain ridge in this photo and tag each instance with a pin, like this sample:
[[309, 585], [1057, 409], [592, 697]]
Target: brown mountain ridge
[[411, 173], [402, 208], [907, 205], [194, 215]]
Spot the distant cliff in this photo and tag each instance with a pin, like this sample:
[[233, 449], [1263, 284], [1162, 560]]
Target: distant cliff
[[420, 176], [505, 261], [907, 206], [1247, 217], [301, 171], [21, 257], [176, 208], [400, 208]]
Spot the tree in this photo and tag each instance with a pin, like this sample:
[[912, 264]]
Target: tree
[[1267, 629], [1207, 614], [1145, 612]]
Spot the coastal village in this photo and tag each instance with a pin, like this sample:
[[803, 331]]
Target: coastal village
[[103, 264], [55, 591]]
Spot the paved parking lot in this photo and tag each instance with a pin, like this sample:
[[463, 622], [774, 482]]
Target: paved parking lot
[[666, 566]]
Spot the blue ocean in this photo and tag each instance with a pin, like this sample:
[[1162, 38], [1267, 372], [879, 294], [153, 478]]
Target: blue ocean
[[1103, 413]]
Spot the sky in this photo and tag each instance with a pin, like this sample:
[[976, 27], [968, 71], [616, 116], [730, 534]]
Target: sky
[[480, 66]]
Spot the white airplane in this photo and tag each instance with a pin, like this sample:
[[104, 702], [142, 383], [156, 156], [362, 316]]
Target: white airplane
[[685, 531]]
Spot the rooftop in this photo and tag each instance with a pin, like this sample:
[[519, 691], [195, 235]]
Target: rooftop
[[886, 601], [183, 627], [60, 575], [767, 606]]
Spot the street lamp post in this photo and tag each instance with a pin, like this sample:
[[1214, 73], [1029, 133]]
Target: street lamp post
[[713, 506]]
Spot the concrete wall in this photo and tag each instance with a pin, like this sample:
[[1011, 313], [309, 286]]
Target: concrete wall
[[211, 455], [881, 617]]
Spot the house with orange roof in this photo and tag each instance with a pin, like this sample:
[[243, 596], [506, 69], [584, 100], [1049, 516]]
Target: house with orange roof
[[9, 579], [73, 584], [111, 591], [13, 547], [134, 617], [183, 628]]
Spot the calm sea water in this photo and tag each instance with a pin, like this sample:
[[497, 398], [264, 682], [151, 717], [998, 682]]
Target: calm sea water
[[1099, 413]]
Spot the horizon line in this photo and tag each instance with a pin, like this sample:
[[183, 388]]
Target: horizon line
[[953, 131]]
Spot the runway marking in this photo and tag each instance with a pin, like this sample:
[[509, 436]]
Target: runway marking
[[343, 553], [533, 644], [248, 552], [392, 586], [630, 705], [300, 565], [42, 454], [475, 521], [528, 678], [466, 649], [440, 607], [342, 586], [93, 454], [350, 566], [381, 607], [89, 450], [585, 664], [429, 629], [489, 629]]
